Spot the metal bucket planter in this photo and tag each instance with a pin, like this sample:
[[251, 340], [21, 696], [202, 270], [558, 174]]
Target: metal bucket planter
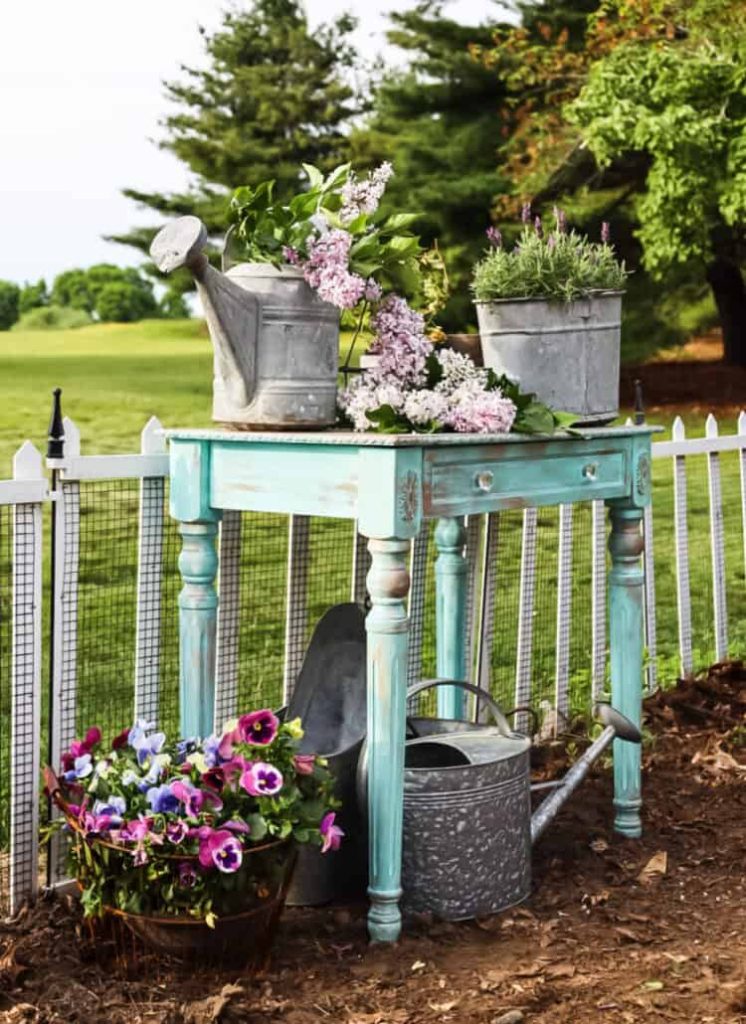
[[566, 353], [330, 699], [276, 342]]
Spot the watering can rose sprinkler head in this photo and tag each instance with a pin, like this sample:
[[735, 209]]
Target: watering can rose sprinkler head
[[180, 244]]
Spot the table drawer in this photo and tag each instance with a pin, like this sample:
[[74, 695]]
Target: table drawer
[[487, 479]]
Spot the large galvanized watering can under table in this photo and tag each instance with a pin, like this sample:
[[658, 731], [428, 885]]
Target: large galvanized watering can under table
[[468, 827], [276, 342]]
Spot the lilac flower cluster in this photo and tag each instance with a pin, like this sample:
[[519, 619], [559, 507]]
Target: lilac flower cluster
[[327, 269], [363, 195]]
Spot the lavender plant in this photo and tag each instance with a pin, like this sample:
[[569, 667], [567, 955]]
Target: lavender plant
[[561, 266]]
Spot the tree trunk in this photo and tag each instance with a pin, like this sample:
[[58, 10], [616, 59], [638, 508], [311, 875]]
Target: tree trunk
[[726, 281]]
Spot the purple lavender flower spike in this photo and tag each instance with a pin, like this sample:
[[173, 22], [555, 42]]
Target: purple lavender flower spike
[[494, 237], [538, 227], [526, 213], [551, 242], [605, 232]]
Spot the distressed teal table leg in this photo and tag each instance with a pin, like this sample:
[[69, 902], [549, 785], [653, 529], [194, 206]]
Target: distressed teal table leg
[[198, 604], [387, 626], [450, 613], [626, 641]]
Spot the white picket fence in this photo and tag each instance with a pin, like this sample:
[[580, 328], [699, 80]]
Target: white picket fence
[[28, 492]]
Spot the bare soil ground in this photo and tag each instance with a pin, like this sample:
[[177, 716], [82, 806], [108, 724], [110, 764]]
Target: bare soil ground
[[616, 931]]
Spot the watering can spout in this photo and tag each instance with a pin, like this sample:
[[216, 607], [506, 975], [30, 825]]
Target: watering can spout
[[616, 726], [233, 314]]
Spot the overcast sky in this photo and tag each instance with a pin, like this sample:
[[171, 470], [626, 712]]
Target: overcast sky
[[80, 100]]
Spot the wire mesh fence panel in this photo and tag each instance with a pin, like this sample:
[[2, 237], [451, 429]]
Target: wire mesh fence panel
[[6, 613], [545, 608], [261, 616], [666, 619], [168, 701], [506, 608], [581, 618], [106, 604]]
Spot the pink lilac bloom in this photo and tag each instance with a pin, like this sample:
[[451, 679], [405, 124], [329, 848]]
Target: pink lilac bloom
[[304, 763], [327, 270], [331, 834], [480, 412], [363, 195], [373, 291], [290, 255], [400, 342], [220, 849], [258, 728], [262, 779]]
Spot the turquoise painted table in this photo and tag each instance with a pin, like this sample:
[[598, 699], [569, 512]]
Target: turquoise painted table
[[390, 484]]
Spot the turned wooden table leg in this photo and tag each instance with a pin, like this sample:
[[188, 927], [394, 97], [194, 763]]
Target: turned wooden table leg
[[388, 635], [198, 603], [626, 582], [450, 613]]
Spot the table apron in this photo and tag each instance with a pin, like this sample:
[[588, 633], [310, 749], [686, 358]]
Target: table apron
[[488, 479]]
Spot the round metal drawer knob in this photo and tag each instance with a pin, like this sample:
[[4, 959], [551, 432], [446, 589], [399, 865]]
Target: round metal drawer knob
[[485, 479], [590, 470]]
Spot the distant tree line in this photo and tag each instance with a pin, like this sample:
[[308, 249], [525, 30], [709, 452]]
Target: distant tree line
[[628, 112], [103, 292]]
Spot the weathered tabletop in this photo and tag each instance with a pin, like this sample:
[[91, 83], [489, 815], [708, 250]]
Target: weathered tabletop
[[390, 484]]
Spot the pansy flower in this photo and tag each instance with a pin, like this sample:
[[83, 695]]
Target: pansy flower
[[81, 768], [162, 800], [331, 834], [187, 875], [304, 763], [192, 798], [258, 728], [261, 779], [220, 849]]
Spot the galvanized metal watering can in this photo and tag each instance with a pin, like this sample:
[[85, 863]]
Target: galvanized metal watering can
[[276, 343], [468, 827]]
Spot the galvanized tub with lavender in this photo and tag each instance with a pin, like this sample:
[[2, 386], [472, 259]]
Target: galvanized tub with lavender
[[566, 353]]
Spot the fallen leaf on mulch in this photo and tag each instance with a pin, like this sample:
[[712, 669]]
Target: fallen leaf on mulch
[[210, 1010], [10, 970], [443, 1007], [655, 867], [718, 761]]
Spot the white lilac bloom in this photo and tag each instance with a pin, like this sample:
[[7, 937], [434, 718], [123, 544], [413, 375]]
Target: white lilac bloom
[[424, 406], [363, 195]]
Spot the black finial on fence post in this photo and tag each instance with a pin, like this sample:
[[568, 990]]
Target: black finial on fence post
[[56, 436], [639, 405]]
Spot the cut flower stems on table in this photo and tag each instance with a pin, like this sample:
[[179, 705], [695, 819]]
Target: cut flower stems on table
[[374, 270], [168, 828]]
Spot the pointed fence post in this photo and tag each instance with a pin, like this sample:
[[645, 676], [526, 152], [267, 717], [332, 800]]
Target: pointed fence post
[[25, 744], [149, 579], [681, 534], [717, 545]]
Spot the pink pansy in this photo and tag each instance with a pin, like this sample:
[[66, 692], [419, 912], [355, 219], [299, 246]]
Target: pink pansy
[[195, 799], [304, 763], [262, 779], [220, 849], [331, 834], [258, 728], [176, 831]]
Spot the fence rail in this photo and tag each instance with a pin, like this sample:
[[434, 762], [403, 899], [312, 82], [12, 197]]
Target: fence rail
[[536, 601]]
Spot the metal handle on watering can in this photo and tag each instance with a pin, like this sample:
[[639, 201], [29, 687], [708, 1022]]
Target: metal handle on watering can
[[617, 727], [500, 720]]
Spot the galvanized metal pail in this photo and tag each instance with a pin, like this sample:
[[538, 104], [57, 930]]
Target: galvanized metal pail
[[567, 353]]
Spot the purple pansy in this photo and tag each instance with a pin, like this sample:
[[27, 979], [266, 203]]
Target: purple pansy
[[261, 779], [194, 799], [258, 728], [331, 834], [162, 800], [113, 807], [220, 849], [176, 831], [187, 875], [81, 769]]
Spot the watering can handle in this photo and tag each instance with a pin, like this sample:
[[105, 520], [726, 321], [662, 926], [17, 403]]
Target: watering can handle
[[500, 720]]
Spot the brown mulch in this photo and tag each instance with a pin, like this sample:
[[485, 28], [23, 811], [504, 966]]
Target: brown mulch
[[616, 930], [692, 376]]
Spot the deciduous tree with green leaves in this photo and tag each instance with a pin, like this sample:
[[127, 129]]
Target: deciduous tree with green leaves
[[682, 106], [9, 297]]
